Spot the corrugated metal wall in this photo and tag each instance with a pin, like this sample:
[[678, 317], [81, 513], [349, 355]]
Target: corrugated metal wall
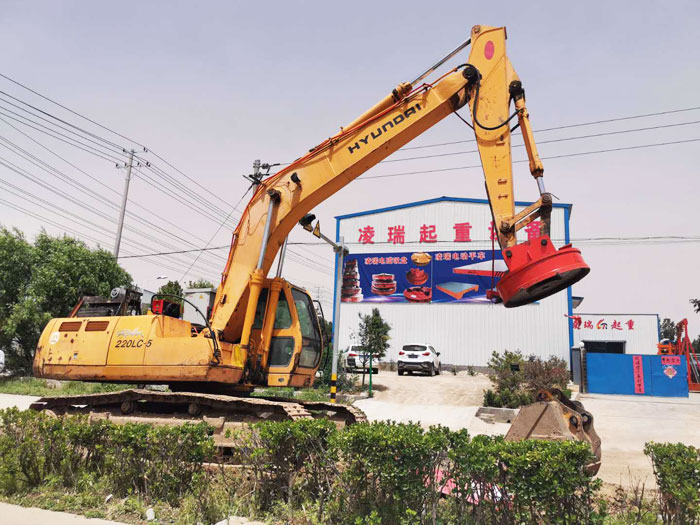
[[642, 338], [465, 334]]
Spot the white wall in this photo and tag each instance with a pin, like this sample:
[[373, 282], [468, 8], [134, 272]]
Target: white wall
[[465, 334], [641, 339]]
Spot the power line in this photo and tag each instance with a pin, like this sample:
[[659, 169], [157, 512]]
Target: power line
[[551, 141], [625, 148], [81, 205], [216, 232], [78, 234], [64, 138], [70, 110], [463, 245], [88, 191], [567, 126]]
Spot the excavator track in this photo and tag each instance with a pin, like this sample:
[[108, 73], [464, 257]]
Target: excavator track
[[223, 413]]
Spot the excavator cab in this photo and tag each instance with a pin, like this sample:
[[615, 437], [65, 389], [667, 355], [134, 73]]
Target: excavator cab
[[295, 341]]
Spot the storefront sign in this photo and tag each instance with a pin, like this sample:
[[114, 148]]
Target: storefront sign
[[422, 277]]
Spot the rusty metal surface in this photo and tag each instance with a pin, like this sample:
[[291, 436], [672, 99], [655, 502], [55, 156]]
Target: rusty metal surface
[[148, 400], [554, 417], [172, 408], [227, 415]]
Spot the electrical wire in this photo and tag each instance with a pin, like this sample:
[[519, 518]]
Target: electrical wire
[[566, 126], [625, 148], [69, 110], [551, 141], [89, 192]]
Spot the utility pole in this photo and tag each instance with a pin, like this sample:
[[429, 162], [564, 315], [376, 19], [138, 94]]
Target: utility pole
[[340, 253], [127, 179]]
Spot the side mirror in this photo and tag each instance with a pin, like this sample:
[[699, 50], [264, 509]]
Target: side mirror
[[438, 353]]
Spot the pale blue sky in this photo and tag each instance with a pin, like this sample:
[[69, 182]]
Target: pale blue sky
[[211, 86]]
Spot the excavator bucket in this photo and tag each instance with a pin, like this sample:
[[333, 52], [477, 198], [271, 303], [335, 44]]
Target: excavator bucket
[[536, 269], [554, 417]]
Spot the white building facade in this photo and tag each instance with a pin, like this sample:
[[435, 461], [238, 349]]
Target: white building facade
[[427, 266], [617, 333]]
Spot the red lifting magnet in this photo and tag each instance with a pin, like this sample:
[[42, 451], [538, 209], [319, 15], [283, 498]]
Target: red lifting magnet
[[536, 269]]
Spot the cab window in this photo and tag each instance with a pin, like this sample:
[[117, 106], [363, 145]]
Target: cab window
[[311, 338], [283, 317], [260, 310]]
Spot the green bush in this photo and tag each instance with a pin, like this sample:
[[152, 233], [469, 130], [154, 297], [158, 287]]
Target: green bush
[[507, 398], [289, 457], [677, 471], [390, 469], [517, 380], [155, 462], [307, 471], [36, 447]]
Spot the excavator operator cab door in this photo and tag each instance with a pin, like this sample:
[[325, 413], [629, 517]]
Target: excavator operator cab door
[[295, 345]]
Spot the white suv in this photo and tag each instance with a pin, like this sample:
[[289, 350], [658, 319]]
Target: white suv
[[419, 358]]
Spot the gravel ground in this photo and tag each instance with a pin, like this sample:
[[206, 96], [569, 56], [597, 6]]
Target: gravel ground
[[12, 400]]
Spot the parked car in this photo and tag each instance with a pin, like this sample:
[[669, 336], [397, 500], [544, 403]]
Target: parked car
[[2, 361], [357, 360], [419, 358]]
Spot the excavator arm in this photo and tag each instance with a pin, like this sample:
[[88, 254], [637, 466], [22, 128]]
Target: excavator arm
[[487, 83]]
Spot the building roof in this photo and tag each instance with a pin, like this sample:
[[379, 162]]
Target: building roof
[[438, 199]]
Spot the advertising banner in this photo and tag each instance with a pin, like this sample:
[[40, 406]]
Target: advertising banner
[[421, 277]]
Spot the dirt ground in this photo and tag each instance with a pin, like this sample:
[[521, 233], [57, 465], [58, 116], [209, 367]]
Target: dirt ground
[[625, 423], [448, 400]]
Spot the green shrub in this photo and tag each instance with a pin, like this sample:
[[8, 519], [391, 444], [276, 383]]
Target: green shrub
[[390, 469], [157, 462], [507, 398], [517, 379], [36, 447], [307, 471], [288, 457], [677, 471], [497, 481]]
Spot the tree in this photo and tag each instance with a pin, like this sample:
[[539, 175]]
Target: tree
[[373, 335], [172, 288], [44, 280], [696, 305], [668, 329], [200, 283]]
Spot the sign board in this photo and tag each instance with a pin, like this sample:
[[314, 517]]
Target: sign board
[[461, 276]]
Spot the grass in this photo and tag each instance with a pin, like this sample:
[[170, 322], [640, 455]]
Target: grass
[[30, 386], [304, 394]]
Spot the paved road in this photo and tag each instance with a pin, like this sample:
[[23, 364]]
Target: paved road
[[14, 514], [21, 402]]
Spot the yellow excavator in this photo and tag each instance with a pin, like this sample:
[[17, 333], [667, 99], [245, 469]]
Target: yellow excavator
[[264, 331]]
